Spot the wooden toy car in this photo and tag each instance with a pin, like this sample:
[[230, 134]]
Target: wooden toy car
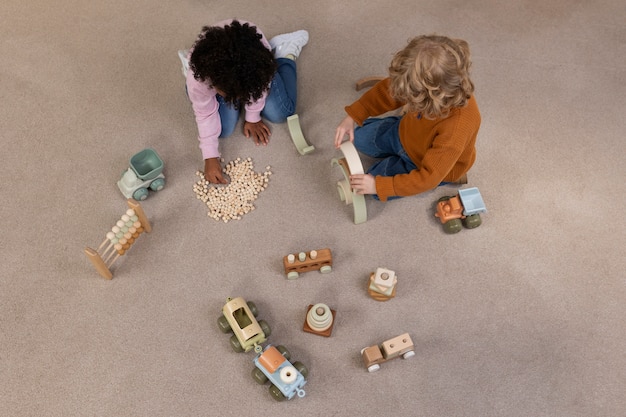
[[286, 379], [461, 210], [321, 260], [240, 318], [145, 172], [399, 346]]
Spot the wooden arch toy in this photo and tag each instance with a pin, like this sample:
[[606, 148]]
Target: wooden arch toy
[[295, 131], [119, 239], [351, 164], [367, 82]]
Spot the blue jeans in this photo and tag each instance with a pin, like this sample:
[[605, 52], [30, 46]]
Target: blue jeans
[[280, 103], [379, 138]]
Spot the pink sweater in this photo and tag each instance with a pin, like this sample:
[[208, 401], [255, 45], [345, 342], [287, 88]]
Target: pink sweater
[[205, 106]]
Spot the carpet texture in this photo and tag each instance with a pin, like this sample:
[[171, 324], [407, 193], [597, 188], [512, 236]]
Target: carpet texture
[[523, 316]]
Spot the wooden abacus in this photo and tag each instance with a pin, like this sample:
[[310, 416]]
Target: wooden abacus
[[119, 239]]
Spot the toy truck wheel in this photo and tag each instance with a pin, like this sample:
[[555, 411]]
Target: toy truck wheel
[[408, 354], [445, 198], [326, 269], [301, 368], [234, 343], [276, 394], [472, 221], [259, 376], [293, 275], [284, 351], [222, 323], [265, 327], [157, 185], [253, 309], [373, 368], [453, 226], [140, 194]]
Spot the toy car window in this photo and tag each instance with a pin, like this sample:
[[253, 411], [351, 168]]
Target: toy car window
[[242, 318]]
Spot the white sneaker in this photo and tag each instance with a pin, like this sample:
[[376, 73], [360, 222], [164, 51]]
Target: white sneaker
[[183, 54], [289, 43]]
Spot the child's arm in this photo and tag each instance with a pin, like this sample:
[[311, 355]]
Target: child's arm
[[213, 171], [363, 183], [346, 127], [205, 108], [374, 102], [259, 131], [254, 126]]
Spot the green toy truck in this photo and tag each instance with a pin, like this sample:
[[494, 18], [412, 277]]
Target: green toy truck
[[145, 172]]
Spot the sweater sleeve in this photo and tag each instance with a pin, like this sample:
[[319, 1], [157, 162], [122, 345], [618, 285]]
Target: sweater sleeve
[[451, 153], [437, 162], [253, 110], [205, 107], [374, 102]]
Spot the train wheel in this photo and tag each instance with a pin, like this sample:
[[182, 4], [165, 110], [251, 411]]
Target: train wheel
[[276, 394], [259, 376], [223, 324], [301, 368]]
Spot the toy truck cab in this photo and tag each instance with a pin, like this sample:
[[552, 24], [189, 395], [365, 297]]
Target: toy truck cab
[[239, 317], [399, 346], [287, 379], [464, 209], [145, 172]]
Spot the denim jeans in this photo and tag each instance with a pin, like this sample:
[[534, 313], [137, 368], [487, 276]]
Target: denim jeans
[[379, 138], [280, 103]]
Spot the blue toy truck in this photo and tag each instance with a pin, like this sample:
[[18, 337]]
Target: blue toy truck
[[286, 379]]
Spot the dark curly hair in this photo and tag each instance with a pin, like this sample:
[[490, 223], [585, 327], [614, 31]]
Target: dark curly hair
[[233, 59]]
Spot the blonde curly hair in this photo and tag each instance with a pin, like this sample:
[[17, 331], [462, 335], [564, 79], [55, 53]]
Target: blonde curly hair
[[431, 75]]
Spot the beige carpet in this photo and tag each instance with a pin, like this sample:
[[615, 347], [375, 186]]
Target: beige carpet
[[523, 316]]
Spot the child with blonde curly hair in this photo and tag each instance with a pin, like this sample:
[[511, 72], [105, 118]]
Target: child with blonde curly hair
[[433, 142]]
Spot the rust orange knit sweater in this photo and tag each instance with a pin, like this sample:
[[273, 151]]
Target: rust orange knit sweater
[[442, 149]]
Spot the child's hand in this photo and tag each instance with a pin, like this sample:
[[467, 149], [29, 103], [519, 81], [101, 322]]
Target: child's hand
[[363, 183], [213, 171], [346, 127], [259, 132]]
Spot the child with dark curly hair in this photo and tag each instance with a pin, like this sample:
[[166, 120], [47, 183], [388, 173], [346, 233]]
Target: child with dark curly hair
[[232, 66], [433, 142]]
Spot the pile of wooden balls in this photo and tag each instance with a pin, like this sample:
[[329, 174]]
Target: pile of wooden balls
[[232, 201]]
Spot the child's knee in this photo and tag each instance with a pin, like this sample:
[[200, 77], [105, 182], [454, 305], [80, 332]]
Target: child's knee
[[226, 131], [277, 118]]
